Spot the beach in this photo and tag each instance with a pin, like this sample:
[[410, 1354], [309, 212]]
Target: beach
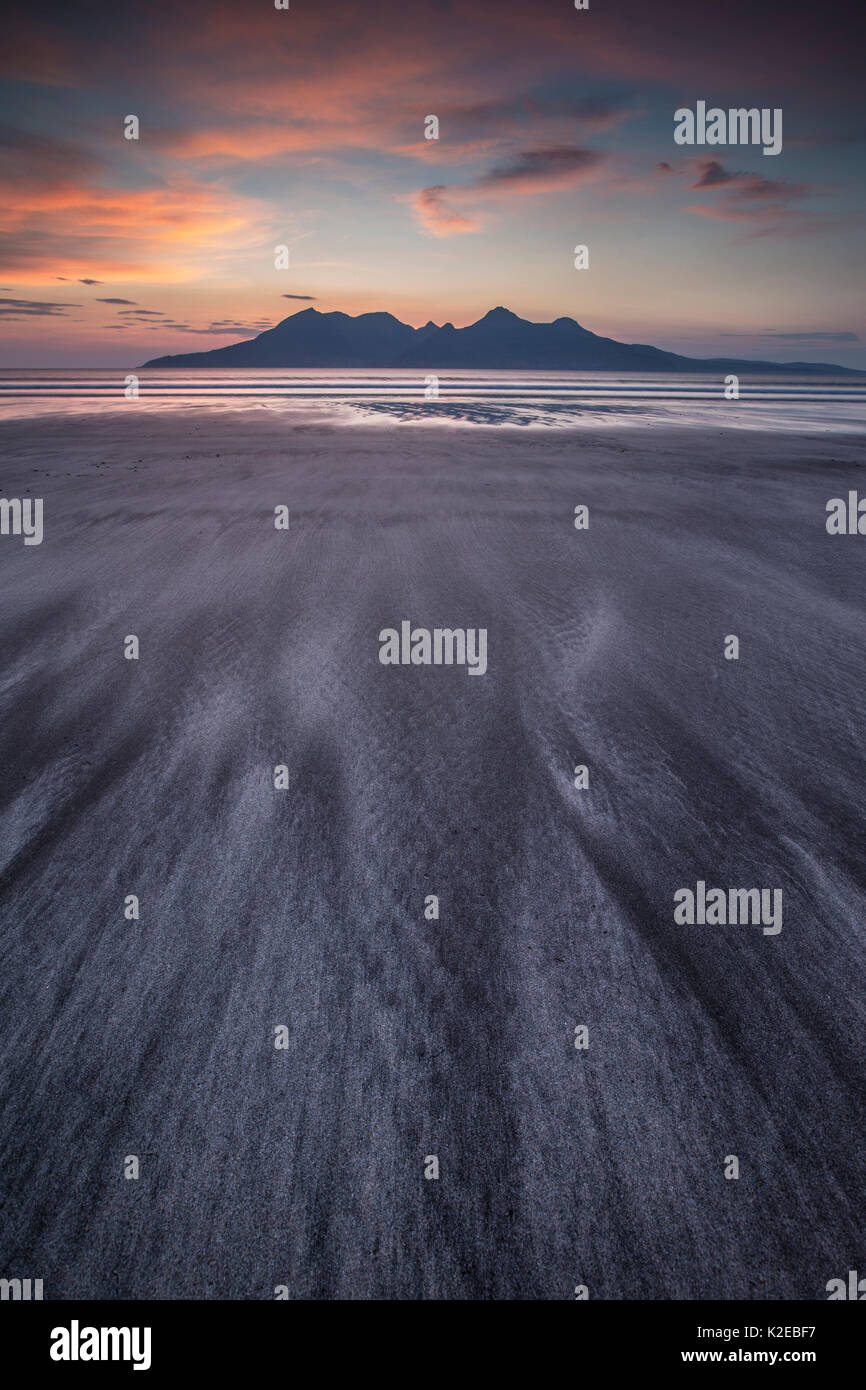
[[302, 1166]]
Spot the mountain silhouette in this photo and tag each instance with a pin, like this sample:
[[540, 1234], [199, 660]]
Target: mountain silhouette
[[499, 340]]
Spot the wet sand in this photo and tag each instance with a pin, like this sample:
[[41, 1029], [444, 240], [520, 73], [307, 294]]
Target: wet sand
[[304, 1166]]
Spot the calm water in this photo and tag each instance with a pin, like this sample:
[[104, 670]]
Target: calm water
[[495, 397]]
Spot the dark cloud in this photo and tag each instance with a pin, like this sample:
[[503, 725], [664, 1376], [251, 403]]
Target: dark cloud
[[32, 308], [218, 328], [585, 108], [511, 115], [298, 296], [84, 45], [807, 336], [763, 206], [116, 301], [32, 163], [543, 168], [91, 282], [715, 175], [663, 167]]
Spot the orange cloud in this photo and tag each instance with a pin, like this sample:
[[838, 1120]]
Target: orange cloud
[[437, 216], [60, 218], [260, 141], [70, 228]]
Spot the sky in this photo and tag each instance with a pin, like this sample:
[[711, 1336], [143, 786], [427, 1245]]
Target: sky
[[305, 128]]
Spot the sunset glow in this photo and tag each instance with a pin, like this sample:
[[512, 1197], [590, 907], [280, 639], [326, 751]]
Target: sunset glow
[[306, 127]]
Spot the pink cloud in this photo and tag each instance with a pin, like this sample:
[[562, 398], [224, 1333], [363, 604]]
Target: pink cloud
[[437, 216]]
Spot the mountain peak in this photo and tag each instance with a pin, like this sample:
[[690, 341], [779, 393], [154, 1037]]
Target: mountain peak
[[308, 314]]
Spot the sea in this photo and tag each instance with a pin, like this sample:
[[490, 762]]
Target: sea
[[529, 399]]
